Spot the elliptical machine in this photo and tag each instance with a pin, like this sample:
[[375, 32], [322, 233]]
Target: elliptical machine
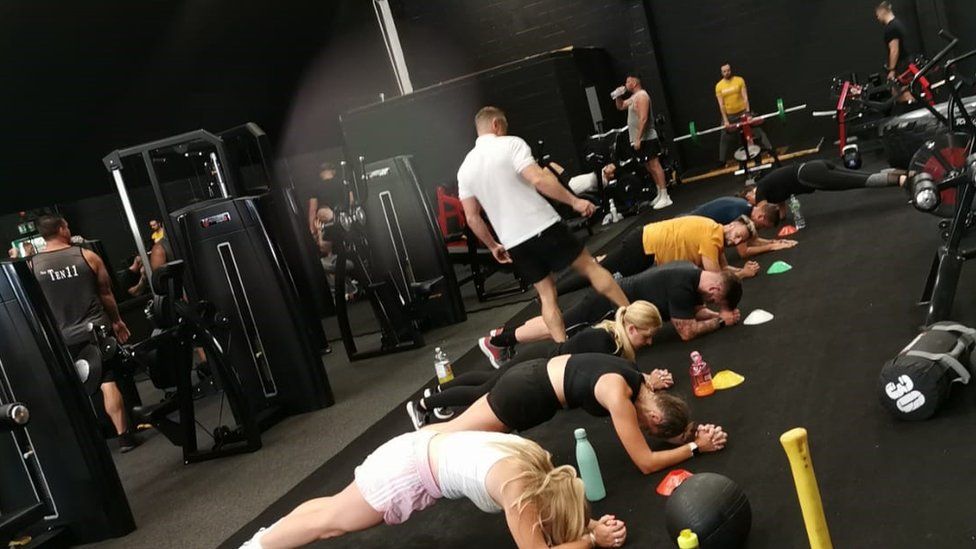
[[945, 183]]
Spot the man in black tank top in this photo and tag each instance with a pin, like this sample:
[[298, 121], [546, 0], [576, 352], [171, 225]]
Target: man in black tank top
[[79, 292]]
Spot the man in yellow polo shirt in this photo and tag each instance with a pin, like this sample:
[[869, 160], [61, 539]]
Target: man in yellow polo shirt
[[733, 102], [689, 238]]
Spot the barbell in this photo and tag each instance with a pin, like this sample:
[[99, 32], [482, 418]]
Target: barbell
[[780, 111]]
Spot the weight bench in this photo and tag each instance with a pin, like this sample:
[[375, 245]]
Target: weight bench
[[464, 248]]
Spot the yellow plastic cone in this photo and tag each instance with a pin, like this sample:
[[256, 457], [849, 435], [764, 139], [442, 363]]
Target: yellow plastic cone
[[726, 379]]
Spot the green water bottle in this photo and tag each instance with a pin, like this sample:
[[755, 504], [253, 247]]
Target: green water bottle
[[687, 540], [589, 468]]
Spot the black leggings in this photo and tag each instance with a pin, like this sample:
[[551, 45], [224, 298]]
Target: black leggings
[[825, 176], [627, 259], [464, 389]]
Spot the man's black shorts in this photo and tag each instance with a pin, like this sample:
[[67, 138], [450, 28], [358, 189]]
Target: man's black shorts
[[548, 252], [650, 148]]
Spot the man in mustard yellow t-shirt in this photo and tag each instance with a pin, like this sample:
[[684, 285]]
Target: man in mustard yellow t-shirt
[[733, 102], [689, 238]]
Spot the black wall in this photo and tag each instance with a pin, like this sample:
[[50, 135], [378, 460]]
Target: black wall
[[782, 49], [543, 97], [444, 39]]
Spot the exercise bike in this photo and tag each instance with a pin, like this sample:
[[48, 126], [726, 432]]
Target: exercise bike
[[944, 183]]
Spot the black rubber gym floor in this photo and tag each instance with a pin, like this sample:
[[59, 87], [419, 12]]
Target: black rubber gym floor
[[846, 307]]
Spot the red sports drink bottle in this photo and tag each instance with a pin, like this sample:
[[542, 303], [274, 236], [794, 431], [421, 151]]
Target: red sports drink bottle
[[701, 376]]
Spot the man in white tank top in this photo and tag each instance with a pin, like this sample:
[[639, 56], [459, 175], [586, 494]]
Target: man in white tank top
[[643, 136]]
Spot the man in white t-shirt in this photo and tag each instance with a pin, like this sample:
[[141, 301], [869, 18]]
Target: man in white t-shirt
[[500, 176]]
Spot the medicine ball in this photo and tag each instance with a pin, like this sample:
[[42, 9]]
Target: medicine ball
[[713, 507]]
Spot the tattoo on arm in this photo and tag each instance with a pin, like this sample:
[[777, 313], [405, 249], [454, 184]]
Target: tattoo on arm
[[689, 328]]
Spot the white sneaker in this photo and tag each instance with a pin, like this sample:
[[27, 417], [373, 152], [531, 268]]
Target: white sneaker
[[417, 416], [663, 201]]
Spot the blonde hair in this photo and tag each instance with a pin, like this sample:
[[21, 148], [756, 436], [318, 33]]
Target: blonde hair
[[642, 315], [555, 492]]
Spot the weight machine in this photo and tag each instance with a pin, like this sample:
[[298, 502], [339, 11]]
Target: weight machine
[[373, 235], [862, 108]]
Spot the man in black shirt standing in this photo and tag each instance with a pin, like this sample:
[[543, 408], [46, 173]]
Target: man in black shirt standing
[[897, 53], [79, 292]]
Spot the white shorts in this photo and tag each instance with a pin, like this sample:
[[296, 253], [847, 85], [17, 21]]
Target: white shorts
[[396, 479]]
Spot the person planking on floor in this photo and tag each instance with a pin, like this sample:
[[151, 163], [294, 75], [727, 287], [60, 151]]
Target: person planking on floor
[[632, 328], [817, 175], [696, 239], [727, 209], [501, 176], [544, 505], [679, 291], [531, 392]]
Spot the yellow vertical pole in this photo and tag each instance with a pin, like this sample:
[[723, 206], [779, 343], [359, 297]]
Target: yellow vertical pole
[[797, 449]]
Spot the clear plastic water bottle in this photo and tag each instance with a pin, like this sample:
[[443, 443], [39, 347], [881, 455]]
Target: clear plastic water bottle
[[798, 220], [614, 216], [589, 468], [701, 376], [442, 365]]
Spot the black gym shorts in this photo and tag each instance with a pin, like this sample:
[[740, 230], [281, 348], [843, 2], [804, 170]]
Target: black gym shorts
[[650, 148], [523, 396], [548, 252]]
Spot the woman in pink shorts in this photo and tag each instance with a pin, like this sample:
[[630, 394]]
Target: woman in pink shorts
[[498, 472]]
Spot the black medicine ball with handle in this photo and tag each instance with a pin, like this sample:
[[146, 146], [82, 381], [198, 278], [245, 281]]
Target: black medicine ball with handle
[[914, 384]]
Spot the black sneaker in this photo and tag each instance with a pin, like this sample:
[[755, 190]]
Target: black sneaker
[[439, 413], [418, 416], [128, 442]]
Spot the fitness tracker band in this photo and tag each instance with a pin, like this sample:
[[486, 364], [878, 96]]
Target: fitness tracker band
[[694, 449]]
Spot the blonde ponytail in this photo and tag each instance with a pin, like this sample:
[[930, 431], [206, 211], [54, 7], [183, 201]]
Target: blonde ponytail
[[642, 315], [555, 492]]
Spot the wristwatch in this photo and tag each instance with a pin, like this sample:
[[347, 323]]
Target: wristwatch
[[694, 448], [721, 322]]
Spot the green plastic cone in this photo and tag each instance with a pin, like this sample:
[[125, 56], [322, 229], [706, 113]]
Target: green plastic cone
[[779, 267]]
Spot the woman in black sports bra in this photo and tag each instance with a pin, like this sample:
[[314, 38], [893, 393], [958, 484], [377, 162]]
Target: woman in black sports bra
[[632, 328], [530, 393]]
